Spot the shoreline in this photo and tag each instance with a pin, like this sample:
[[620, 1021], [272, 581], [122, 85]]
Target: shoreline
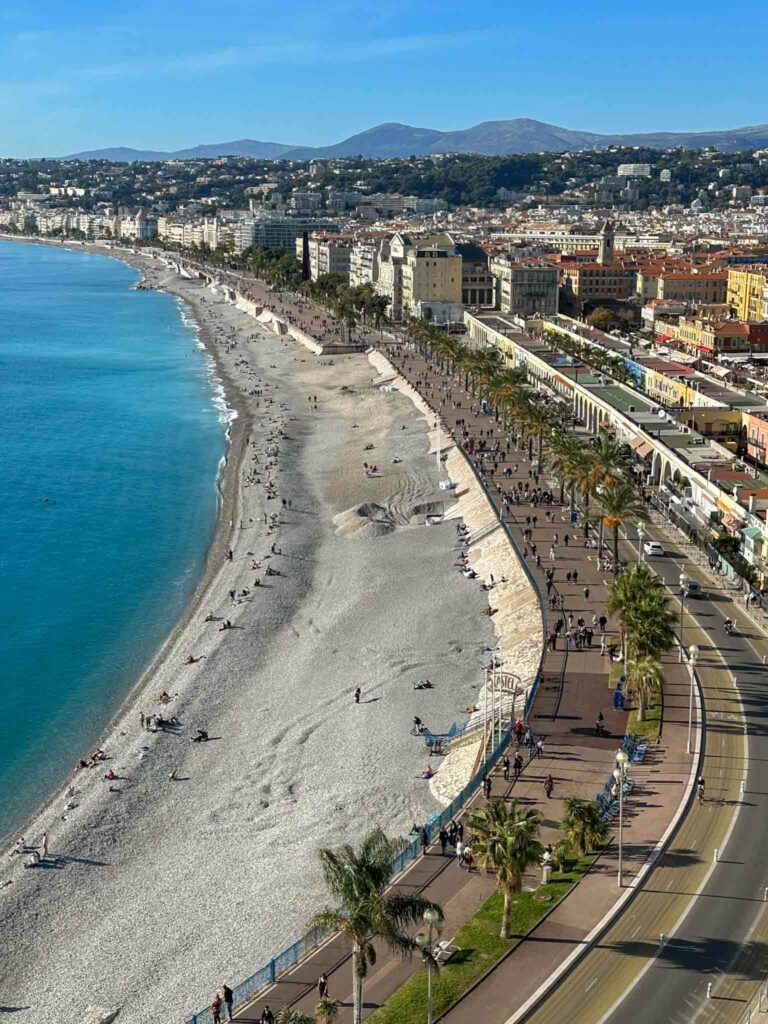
[[290, 677], [226, 484]]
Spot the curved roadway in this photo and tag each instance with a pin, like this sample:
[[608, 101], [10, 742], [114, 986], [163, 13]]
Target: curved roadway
[[712, 914]]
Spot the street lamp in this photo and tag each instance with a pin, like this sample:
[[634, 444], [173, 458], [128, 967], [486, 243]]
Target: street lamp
[[426, 943], [619, 774], [640, 535], [693, 656], [683, 583]]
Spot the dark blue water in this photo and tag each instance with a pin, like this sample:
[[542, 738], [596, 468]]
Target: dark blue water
[[108, 410]]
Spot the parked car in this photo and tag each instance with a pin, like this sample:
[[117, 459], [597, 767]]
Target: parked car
[[652, 547]]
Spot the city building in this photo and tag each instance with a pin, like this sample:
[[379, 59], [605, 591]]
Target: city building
[[525, 287], [746, 291]]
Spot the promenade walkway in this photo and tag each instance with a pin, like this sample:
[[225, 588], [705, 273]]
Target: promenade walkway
[[574, 690]]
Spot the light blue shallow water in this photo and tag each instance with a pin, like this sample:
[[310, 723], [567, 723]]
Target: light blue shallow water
[[106, 409]]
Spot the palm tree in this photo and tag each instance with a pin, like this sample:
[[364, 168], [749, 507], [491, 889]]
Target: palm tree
[[565, 450], [358, 879], [505, 839], [645, 679], [646, 623], [617, 505], [582, 824], [328, 1009], [290, 1016], [536, 423]]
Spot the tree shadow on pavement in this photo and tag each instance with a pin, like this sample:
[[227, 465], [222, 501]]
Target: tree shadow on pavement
[[705, 954]]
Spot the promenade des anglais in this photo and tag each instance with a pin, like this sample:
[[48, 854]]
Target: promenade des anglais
[[385, 517]]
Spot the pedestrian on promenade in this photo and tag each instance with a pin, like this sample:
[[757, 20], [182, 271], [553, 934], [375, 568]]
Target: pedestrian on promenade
[[549, 785], [469, 860], [229, 999], [424, 838], [568, 576], [505, 765], [443, 841], [540, 747], [322, 986], [518, 766], [358, 691], [553, 640], [487, 786], [453, 833], [566, 538], [575, 576], [459, 852], [603, 622], [267, 1017], [216, 1009], [586, 593]]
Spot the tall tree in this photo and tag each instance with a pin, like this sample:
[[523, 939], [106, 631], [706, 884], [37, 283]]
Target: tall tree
[[505, 840], [582, 824], [617, 505], [358, 879]]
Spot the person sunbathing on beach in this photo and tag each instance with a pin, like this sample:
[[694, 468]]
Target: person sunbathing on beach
[[110, 775], [201, 736], [165, 697], [427, 773]]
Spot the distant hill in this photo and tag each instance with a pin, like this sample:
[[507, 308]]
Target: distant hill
[[490, 138], [243, 147]]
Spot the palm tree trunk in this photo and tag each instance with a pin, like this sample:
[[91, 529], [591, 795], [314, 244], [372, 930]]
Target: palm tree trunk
[[586, 514], [540, 452], [357, 992], [616, 550], [601, 541], [506, 920]]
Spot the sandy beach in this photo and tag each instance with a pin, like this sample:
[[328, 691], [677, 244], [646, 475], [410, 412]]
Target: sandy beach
[[158, 889]]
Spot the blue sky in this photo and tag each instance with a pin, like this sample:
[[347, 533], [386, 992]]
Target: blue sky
[[167, 75]]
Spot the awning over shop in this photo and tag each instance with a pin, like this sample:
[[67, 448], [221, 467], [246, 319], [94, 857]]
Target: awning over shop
[[752, 532], [645, 449]]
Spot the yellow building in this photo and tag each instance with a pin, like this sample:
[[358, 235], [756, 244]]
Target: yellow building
[[431, 273], [746, 286]]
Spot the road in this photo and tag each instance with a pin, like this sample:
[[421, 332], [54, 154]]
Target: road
[[712, 915]]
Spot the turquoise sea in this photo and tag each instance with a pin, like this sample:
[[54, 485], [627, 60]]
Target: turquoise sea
[[112, 435]]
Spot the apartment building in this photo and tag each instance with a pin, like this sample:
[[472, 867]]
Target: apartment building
[[432, 279], [328, 254], [525, 287], [477, 284], [693, 286], [746, 291]]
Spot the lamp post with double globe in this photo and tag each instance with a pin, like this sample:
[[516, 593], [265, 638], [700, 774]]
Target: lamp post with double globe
[[426, 943]]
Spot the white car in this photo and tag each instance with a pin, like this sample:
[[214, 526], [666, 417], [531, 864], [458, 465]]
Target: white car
[[652, 547]]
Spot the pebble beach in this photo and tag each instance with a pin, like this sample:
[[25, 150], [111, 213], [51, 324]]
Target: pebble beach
[[197, 863]]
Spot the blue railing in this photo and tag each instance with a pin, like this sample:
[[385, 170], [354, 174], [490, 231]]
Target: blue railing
[[290, 956]]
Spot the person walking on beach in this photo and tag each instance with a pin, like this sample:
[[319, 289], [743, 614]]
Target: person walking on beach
[[141, 719], [229, 998], [358, 692], [45, 845]]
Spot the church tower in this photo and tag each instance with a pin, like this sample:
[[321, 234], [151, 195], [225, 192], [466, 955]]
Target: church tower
[[607, 238]]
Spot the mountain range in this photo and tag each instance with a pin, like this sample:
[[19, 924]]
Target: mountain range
[[490, 138]]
